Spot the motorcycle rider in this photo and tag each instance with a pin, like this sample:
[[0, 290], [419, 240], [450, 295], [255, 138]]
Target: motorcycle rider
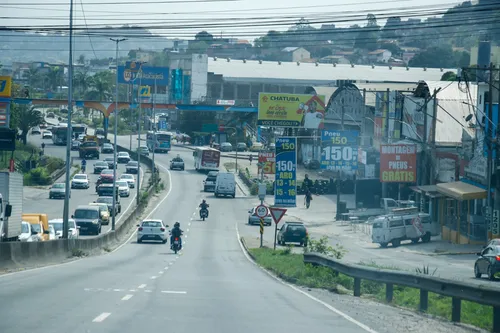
[[176, 232], [204, 206], [84, 164]]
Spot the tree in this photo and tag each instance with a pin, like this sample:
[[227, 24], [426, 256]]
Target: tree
[[82, 81], [449, 76], [204, 36], [24, 117], [132, 54], [367, 37], [441, 56], [101, 87], [81, 59]]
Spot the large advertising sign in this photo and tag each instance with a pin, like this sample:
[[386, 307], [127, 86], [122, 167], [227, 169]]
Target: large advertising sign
[[267, 163], [5, 86], [291, 110], [398, 163], [146, 76], [339, 150], [285, 192]]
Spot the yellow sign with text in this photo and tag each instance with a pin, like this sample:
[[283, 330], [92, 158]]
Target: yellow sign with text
[[5, 86], [291, 110]]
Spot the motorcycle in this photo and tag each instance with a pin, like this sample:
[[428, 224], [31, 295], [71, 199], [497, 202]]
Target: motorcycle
[[176, 246], [204, 213]]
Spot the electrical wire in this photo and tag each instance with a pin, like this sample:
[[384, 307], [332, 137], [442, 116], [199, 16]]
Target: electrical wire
[[90, 39]]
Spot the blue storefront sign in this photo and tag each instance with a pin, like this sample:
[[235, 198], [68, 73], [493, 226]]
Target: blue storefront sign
[[285, 192], [339, 150], [147, 76]]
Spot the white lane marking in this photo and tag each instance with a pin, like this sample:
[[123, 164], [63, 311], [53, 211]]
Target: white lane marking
[[132, 290], [187, 230], [127, 297], [147, 291], [86, 289], [189, 224], [117, 289], [142, 286], [170, 263], [160, 272], [101, 317], [166, 267], [326, 305], [153, 210], [153, 277], [173, 292]]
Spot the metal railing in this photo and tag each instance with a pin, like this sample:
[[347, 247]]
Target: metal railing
[[457, 290]]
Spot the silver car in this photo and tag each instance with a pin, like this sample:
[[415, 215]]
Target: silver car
[[254, 219], [152, 230], [58, 191]]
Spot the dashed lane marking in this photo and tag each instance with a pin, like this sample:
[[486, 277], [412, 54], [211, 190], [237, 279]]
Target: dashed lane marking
[[142, 286], [100, 318], [127, 297], [173, 292]]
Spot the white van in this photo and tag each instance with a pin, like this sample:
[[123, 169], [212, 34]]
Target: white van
[[396, 228], [225, 184]]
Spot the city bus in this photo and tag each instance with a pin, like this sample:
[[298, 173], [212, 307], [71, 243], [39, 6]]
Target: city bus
[[206, 159], [60, 135], [162, 142]]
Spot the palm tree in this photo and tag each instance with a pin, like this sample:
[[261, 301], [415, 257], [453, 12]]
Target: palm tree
[[33, 77], [102, 86], [24, 117], [82, 81], [55, 77]]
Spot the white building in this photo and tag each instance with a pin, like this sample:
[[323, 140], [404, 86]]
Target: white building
[[380, 55], [295, 54]]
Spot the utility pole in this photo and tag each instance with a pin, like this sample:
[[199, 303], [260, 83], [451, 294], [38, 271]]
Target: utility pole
[[339, 183], [154, 133], [69, 134], [138, 199], [489, 145], [115, 134]]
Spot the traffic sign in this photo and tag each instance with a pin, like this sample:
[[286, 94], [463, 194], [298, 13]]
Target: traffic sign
[[277, 213], [261, 211]]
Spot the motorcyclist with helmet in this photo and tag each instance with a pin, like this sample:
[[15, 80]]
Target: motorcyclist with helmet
[[204, 206], [176, 232]]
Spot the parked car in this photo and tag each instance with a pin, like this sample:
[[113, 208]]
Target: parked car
[[109, 201], [80, 180], [292, 232], [254, 219], [103, 210], [73, 229], [107, 148], [241, 146], [152, 230], [75, 145], [111, 162], [58, 191], [132, 167], [143, 150], [488, 262], [100, 166], [47, 135], [88, 218], [226, 146], [123, 188], [123, 157], [257, 146], [129, 178]]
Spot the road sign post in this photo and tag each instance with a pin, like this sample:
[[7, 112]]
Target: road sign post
[[277, 214], [261, 211], [261, 231]]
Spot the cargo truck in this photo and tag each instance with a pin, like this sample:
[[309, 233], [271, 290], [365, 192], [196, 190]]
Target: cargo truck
[[11, 206], [89, 147]]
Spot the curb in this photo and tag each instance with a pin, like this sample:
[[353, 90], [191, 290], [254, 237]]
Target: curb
[[243, 242], [446, 253]]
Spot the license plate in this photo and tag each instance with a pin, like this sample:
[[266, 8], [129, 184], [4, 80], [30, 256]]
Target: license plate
[[296, 235], [83, 228], [176, 242]]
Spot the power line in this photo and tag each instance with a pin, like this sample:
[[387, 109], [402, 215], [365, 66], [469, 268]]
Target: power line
[[90, 39]]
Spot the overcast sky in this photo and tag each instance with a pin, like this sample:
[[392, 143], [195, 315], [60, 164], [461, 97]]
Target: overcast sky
[[184, 18]]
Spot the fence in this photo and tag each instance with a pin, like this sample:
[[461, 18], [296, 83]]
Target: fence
[[457, 290], [16, 253]]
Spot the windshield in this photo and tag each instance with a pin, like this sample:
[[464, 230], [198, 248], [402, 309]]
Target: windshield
[[107, 145], [25, 228], [57, 226], [101, 164], [58, 186], [86, 214], [152, 224], [107, 172], [36, 227], [84, 177], [122, 154], [162, 137], [122, 184], [127, 177], [105, 200], [109, 159], [132, 164], [89, 144]]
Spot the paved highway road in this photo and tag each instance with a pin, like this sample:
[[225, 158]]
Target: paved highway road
[[37, 200], [209, 287]]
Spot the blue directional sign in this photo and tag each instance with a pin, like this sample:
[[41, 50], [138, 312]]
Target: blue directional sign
[[339, 150], [285, 192]]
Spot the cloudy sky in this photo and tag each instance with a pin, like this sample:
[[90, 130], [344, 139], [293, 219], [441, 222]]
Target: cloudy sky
[[182, 18]]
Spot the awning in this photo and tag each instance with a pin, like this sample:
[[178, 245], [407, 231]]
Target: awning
[[428, 190], [461, 191]]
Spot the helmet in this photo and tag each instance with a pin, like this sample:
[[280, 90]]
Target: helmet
[[203, 201], [177, 224]]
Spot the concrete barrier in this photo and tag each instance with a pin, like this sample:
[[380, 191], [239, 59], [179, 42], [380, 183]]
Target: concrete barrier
[[18, 254]]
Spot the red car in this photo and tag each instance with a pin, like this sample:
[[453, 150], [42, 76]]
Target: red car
[[106, 176]]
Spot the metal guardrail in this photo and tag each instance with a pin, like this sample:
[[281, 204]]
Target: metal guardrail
[[457, 290]]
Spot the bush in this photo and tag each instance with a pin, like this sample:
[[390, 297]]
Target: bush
[[51, 163], [37, 176]]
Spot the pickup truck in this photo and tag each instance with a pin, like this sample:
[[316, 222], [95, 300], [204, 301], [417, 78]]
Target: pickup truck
[[387, 206], [89, 147]]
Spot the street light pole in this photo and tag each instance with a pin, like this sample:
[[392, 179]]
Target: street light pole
[[68, 134], [115, 134], [154, 134], [138, 199]]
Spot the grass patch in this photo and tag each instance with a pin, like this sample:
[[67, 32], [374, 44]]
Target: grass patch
[[290, 267]]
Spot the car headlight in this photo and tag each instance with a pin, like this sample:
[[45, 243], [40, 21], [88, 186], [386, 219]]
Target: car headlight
[[95, 221]]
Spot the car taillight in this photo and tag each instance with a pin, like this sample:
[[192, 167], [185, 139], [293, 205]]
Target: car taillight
[[162, 229], [498, 258], [140, 229]]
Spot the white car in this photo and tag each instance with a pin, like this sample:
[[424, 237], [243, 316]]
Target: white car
[[80, 180], [123, 188], [123, 157], [27, 233], [129, 178], [47, 135], [73, 229], [152, 230]]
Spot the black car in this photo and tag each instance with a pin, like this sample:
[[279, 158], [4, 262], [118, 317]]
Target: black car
[[111, 162], [107, 148], [106, 190], [488, 262], [292, 232], [99, 166], [132, 167]]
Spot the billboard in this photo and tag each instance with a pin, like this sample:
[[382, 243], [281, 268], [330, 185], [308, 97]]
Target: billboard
[[146, 76], [5, 86], [398, 163], [267, 163], [291, 110], [285, 192], [339, 150]]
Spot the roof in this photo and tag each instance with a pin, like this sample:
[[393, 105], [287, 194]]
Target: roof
[[290, 49], [379, 51], [322, 74], [461, 191]]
